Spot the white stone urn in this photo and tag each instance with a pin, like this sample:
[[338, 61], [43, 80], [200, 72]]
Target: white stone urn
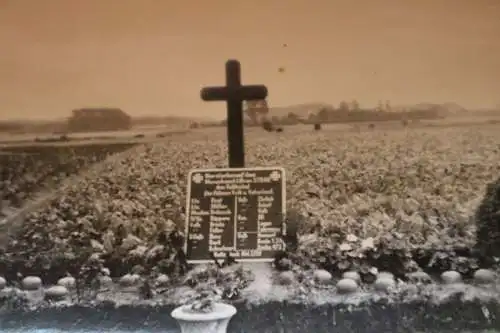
[[215, 321]]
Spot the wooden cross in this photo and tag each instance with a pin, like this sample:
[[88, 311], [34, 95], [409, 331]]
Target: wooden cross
[[234, 94]]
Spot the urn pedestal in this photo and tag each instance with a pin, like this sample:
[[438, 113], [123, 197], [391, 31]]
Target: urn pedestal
[[215, 321]]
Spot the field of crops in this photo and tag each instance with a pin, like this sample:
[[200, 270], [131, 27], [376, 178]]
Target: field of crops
[[388, 199], [26, 171]]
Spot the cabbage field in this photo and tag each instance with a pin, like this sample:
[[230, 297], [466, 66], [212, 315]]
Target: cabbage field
[[401, 200]]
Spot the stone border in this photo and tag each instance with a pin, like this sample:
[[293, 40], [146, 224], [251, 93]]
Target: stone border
[[274, 317], [263, 306]]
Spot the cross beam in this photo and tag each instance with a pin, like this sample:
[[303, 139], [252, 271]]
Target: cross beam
[[234, 93]]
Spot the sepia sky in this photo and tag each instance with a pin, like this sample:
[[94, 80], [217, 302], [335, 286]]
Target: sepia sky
[[153, 56]]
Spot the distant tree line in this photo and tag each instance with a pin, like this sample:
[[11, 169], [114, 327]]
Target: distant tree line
[[346, 112]]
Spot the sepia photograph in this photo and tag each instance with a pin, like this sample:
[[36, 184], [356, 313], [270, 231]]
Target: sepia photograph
[[234, 166]]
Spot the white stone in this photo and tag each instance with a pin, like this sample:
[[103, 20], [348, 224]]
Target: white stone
[[419, 277], [386, 275], [56, 292], [286, 278], [384, 283], [352, 275], [321, 276], [3, 282], [129, 280], [162, 280], [32, 283], [346, 286], [484, 276], [105, 271], [215, 321], [68, 281], [450, 277]]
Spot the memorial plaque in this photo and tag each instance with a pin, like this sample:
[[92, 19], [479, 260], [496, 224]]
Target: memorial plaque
[[237, 211]]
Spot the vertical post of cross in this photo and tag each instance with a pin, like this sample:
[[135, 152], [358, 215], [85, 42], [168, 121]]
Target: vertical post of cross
[[235, 126], [234, 94]]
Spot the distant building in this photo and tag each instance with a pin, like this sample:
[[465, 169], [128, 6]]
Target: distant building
[[8, 126], [99, 119]]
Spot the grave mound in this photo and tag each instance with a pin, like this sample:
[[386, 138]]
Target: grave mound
[[383, 248]]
